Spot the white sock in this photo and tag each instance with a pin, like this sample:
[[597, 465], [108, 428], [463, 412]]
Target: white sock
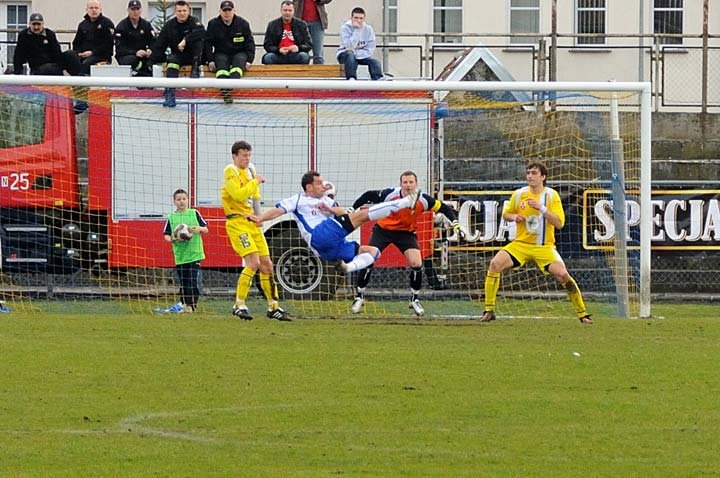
[[361, 261], [384, 209]]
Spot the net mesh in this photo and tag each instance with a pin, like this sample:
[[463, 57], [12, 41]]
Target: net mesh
[[85, 196]]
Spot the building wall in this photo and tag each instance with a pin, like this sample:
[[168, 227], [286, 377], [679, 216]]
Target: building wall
[[620, 59]]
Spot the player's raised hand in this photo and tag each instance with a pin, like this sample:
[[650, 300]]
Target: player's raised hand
[[534, 203], [458, 229]]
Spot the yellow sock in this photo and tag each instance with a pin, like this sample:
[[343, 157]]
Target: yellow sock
[[492, 284], [243, 285], [269, 288], [575, 297]]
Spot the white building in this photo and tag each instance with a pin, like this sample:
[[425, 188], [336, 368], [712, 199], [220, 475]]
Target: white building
[[596, 39]]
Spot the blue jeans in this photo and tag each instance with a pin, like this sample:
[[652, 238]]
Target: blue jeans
[[317, 36], [351, 63], [298, 58]]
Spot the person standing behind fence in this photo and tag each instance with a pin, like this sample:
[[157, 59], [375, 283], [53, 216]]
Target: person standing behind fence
[[357, 45], [134, 38], [287, 40], [187, 252], [93, 42], [313, 13]]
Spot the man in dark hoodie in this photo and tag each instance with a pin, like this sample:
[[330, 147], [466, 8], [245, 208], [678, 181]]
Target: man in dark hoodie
[[134, 38], [287, 40], [185, 36], [93, 42]]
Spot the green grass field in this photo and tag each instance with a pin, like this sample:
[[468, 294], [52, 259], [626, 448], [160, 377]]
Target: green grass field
[[97, 394]]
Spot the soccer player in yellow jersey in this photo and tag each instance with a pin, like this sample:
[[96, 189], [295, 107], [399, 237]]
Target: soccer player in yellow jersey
[[537, 211], [240, 192]]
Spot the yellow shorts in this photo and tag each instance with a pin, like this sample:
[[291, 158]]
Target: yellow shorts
[[543, 256], [246, 237]]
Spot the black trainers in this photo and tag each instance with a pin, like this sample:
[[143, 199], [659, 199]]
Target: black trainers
[[242, 313], [487, 316], [585, 319], [279, 314]]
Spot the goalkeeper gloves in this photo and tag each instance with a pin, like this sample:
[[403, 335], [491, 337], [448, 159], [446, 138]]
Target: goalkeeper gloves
[[458, 229]]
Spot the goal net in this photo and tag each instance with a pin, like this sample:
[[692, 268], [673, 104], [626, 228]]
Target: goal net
[[85, 197]]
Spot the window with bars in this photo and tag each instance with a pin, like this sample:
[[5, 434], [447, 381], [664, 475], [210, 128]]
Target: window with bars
[[524, 18], [392, 12], [591, 17], [668, 18], [447, 18], [16, 18]]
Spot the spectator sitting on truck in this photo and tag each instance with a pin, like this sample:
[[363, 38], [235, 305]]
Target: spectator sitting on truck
[[287, 40], [357, 45], [93, 42], [229, 45], [185, 36], [134, 38], [39, 47]]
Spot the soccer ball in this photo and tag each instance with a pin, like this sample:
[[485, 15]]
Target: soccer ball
[[182, 232], [329, 189]]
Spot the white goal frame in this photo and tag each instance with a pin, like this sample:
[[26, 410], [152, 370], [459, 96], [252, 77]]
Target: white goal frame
[[643, 89]]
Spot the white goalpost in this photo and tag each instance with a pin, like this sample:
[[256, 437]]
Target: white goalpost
[[81, 212]]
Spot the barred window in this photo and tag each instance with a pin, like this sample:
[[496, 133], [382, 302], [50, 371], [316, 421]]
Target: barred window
[[591, 17], [524, 18], [392, 20], [668, 18], [447, 18]]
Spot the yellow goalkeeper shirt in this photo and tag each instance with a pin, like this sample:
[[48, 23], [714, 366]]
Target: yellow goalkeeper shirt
[[535, 229], [239, 190]]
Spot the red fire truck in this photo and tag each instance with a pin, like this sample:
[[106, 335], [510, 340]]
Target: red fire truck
[[56, 217]]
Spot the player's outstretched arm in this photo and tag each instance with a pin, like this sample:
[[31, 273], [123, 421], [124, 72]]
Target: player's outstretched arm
[[267, 215]]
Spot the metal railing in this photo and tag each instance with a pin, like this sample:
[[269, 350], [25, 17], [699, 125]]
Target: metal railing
[[684, 76]]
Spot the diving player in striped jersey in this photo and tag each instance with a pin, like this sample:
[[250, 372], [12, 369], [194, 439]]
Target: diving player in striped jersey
[[537, 211]]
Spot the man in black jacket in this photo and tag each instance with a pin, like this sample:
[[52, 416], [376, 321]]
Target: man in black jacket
[[287, 40], [185, 36], [93, 42], [38, 46], [134, 38], [229, 43]]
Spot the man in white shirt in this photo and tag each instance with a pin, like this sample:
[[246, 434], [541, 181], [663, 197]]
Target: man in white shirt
[[324, 225]]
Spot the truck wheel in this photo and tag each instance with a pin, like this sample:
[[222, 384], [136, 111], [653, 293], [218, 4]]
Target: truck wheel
[[300, 274]]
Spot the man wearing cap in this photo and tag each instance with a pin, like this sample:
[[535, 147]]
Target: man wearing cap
[[93, 42], [313, 13], [287, 40], [134, 37], [38, 46], [185, 36], [229, 43]]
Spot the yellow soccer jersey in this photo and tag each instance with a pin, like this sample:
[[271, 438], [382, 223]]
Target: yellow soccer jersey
[[239, 191], [535, 229]]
